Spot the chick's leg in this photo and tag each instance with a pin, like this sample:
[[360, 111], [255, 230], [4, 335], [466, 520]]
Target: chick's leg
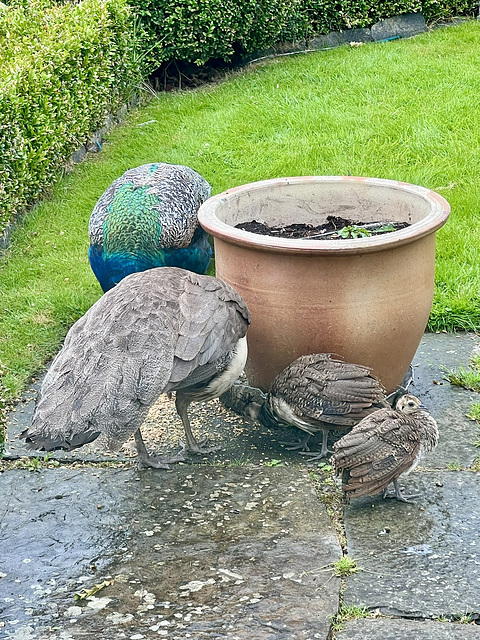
[[324, 451], [301, 443], [399, 495]]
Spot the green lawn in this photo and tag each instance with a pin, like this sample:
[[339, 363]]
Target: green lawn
[[405, 110]]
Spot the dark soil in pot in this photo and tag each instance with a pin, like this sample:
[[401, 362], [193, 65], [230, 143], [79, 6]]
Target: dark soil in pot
[[335, 228]]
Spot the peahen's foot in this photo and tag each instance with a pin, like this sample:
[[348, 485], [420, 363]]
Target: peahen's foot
[[145, 460], [191, 444]]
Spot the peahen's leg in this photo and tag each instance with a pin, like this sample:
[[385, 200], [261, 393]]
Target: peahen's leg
[[158, 462], [192, 445]]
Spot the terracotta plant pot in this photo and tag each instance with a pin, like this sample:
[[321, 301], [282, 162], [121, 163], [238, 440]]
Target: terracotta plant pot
[[366, 299]]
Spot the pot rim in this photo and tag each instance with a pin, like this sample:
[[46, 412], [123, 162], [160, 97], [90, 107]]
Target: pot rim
[[439, 212]]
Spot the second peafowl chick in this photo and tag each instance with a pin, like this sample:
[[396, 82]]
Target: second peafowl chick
[[383, 446], [147, 218]]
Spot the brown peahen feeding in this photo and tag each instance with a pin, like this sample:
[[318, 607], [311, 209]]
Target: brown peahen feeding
[[318, 392], [158, 331], [383, 446], [147, 218]]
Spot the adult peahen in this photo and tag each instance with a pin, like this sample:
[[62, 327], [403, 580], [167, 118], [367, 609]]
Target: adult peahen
[[148, 218], [383, 446], [158, 331]]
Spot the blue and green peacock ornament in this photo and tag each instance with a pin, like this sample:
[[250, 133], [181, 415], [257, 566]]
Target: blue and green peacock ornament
[[147, 218]]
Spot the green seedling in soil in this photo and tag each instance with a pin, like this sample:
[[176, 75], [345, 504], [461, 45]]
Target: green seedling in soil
[[352, 231]]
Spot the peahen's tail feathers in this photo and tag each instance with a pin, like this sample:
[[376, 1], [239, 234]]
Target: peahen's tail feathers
[[43, 442]]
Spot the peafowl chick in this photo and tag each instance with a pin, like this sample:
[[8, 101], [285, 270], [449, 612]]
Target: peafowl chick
[[317, 392], [147, 218], [158, 331], [383, 446]]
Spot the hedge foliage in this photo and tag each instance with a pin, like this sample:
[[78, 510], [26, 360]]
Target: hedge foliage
[[197, 30], [62, 68], [331, 15]]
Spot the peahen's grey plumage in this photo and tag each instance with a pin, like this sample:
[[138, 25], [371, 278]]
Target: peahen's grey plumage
[[318, 392], [147, 218], [158, 331], [383, 446]]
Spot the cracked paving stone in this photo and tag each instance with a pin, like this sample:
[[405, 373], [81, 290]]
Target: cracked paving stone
[[201, 552], [419, 560], [395, 629]]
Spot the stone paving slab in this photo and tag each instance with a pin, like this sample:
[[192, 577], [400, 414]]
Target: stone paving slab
[[394, 629], [449, 404], [200, 552], [419, 560]]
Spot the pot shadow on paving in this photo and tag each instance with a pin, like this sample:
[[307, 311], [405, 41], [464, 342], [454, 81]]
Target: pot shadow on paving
[[240, 547]]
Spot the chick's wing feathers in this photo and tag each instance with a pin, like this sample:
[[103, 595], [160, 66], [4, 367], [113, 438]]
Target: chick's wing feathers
[[320, 387], [377, 450], [384, 430], [338, 380]]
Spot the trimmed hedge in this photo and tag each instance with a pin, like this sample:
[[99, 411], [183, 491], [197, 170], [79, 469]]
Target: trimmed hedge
[[63, 67], [198, 30], [328, 15]]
